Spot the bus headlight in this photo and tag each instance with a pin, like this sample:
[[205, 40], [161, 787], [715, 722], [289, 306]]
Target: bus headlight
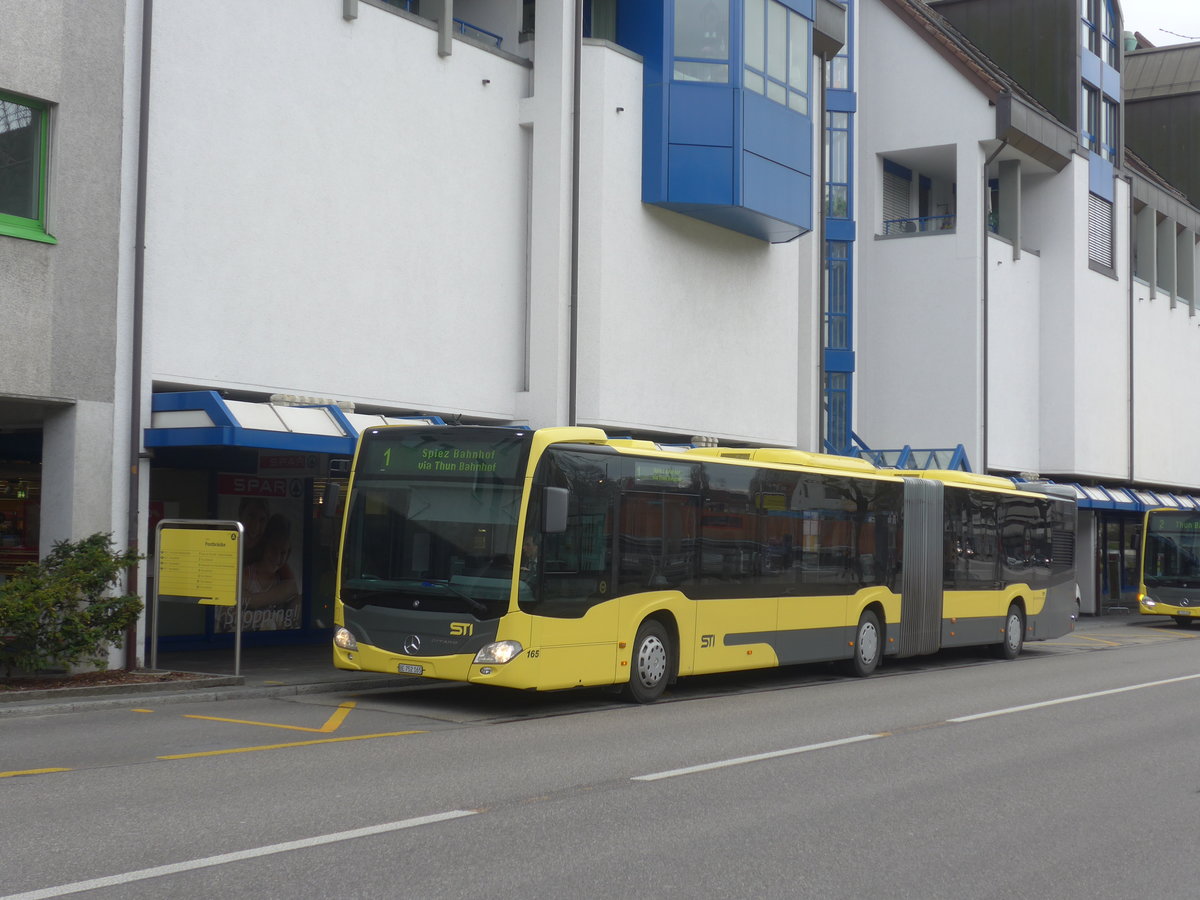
[[498, 653], [343, 639], [1148, 601]]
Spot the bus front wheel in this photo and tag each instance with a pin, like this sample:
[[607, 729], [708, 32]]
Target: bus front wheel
[[1184, 621], [868, 646], [650, 665], [1014, 634]]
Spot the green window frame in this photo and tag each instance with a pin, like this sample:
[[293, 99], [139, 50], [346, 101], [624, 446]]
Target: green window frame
[[24, 167]]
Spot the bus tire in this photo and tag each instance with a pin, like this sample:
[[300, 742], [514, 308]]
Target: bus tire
[[650, 663], [868, 646], [1183, 621], [1014, 634]]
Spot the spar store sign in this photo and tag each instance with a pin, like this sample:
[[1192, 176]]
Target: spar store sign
[[302, 465], [260, 486]]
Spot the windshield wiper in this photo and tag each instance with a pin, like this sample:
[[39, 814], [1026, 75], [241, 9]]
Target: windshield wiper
[[395, 588], [471, 601]]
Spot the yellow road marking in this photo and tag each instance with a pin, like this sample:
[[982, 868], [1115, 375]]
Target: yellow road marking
[[31, 772], [357, 737], [334, 722], [142, 710], [1084, 637], [1174, 632]]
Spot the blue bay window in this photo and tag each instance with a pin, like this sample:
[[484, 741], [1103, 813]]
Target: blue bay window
[[728, 134]]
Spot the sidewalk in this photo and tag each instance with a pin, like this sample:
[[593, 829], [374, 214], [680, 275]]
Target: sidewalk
[[265, 672]]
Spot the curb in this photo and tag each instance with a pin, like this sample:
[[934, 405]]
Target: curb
[[205, 690], [146, 687]]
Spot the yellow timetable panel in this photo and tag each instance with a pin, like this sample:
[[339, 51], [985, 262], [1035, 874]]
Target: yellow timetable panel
[[199, 565]]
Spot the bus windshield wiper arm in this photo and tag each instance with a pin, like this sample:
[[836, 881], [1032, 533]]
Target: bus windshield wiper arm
[[471, 601]]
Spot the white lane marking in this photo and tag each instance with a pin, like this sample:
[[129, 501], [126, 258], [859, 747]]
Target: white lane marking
[[741, 760], [1094, 694], [222, 859], [792, 751]]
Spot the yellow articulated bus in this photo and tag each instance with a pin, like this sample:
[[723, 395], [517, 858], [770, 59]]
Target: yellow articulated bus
[[560, 558], [1170, 582]]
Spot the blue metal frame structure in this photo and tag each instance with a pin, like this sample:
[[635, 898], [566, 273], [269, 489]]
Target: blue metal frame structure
[[714, 149], [838, 360]]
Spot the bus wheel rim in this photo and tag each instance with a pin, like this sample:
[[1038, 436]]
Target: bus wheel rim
[[1013, 633], [651, 661], [868, 643]]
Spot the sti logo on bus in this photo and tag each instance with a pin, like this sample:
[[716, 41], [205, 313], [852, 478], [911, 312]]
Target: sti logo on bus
[[461, 628], [708, 640]]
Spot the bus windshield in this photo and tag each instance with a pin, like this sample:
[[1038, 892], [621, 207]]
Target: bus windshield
[[432, 520], [1172, 550]]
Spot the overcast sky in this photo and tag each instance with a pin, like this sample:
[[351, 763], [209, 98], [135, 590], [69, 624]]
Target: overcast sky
[[1163, 21]]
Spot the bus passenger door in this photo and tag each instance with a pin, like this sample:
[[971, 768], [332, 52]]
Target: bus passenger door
[[567, 576]]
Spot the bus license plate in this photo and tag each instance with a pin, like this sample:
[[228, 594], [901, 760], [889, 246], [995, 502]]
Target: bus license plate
[[405, 669]]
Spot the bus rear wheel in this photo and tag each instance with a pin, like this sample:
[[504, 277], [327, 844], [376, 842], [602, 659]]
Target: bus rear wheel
[[1014, 634], [868, 646], [650, 663]]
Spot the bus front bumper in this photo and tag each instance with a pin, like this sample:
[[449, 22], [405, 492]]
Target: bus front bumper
[[1151, 607], [520, 672]]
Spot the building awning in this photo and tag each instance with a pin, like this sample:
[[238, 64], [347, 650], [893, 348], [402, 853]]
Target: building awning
[[1091, 496], [206, 419], [1094, 496], [1123, 499]]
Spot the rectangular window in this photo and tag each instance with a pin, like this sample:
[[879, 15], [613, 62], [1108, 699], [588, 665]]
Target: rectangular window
[[702, 40], [1100, 231], [1091, 25], [837, 70], [1099, 30], [1108, 131], [837, 299], [24, 138], [897, 202], [777, 53], [1089, 117], [837, 161]]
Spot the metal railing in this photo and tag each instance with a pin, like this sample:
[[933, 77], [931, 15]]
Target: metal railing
[[462, 27], [920, 225], [479, 34], [908, 458]]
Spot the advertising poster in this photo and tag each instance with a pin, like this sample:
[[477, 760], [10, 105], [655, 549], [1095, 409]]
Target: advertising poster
[[271, 510]]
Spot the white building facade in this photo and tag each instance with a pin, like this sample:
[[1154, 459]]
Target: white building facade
[[318, 213]]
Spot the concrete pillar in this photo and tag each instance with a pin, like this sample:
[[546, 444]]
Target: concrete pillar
[[1185, 268], [1010, 204], [1085, 563], [1165, 258], [1145, 266], [548, 113], [77, 467]]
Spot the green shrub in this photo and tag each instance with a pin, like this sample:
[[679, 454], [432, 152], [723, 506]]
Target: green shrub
[[62, 612]]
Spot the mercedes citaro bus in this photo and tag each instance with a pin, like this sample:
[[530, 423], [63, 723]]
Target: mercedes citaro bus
[[559, 558], [1170, 582]]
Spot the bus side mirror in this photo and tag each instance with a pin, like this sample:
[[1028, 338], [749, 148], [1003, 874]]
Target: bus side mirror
[[554, 510], [330, 499]]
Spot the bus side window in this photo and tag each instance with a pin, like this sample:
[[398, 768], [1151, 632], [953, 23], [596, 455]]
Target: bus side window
[[573, 570]]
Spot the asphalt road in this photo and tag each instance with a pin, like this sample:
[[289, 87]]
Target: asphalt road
[[1067, 773]]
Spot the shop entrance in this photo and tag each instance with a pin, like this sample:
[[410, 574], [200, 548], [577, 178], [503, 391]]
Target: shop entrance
[[20, 499], [287, 504], [1117, 550]]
